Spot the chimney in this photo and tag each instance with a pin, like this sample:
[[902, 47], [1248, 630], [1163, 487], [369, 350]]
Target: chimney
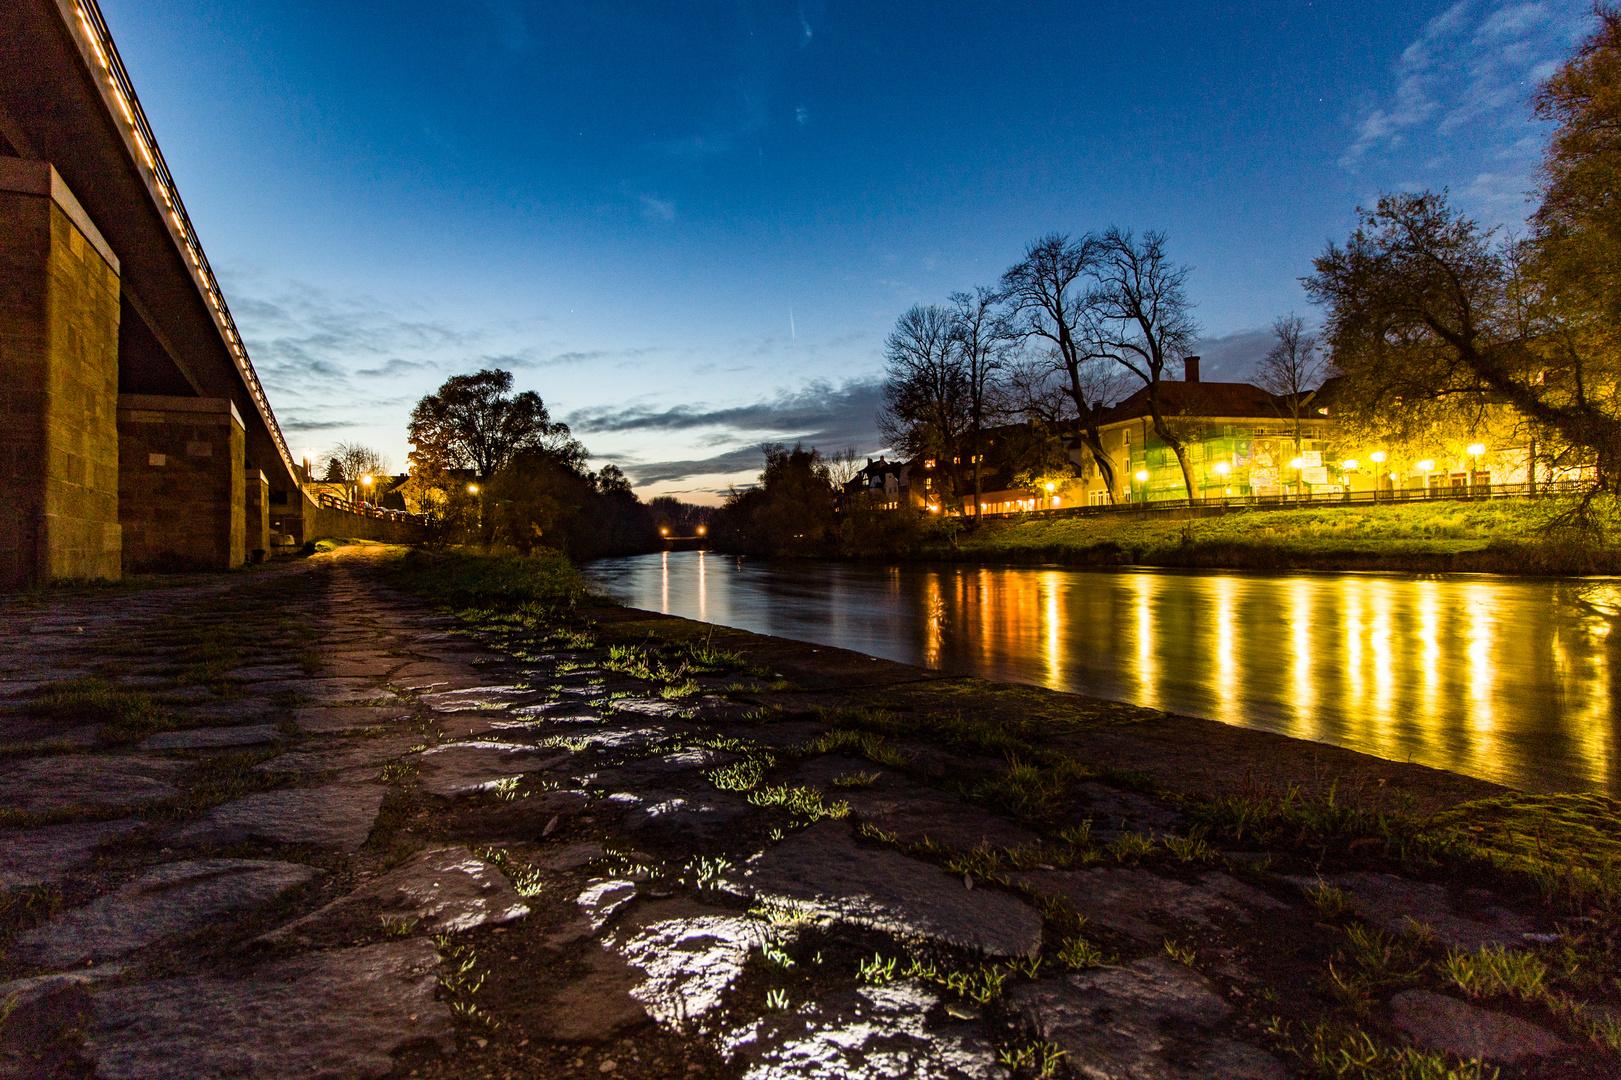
[[1190, 366]]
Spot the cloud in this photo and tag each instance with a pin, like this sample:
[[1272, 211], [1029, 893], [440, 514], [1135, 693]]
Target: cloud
[[819, 414], [1232, 357], [657, 209], [1459, 114], [395, 367], [315, 425]]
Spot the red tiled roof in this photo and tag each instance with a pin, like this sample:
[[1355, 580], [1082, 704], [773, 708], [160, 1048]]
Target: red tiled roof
[[1201, 399]]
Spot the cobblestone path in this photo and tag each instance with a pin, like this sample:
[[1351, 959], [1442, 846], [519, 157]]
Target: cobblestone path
[[288, 823]]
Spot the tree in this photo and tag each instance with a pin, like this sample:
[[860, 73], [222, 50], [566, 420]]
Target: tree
[[1047, 291], [981, 336], [1578, 225], [1138, 315], [789, 512], [1426, 312], [842, 466], [1292, 368], [925, 388], [474, 421], [349, 464]]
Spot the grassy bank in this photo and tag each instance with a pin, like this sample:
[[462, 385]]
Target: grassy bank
[[1501, 537]]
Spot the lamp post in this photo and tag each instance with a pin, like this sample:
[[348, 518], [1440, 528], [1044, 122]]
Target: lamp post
[[1426, 467], [1378, 458], [472, 489], [365, 482], [1050, 489], [1221, 470], [1476, 451], [1297, 464], [1142, 478]]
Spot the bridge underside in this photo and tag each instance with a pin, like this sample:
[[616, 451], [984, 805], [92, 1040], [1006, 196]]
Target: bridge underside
[[130, 437]]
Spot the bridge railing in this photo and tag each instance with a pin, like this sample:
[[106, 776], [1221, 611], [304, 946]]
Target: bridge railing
[[333, 502], [1309, 500]]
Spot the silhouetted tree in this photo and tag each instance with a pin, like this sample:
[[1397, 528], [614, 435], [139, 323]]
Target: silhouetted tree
[[1292, 368], [1139, 316], [350, 463], [925, 410], [1048, 293], [476, 422], [789, 512], [982, 337]]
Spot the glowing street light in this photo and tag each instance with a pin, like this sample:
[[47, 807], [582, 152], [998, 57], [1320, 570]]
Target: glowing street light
[[1427, 465], [1142, 476], [1297, 463], [472, 489], [1476, 449], [1377, 457], [700, 530], [663, 531], [1222, 469], [1350, 464]]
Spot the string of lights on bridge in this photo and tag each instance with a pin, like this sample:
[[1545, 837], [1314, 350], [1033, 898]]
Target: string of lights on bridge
[[123, 92]]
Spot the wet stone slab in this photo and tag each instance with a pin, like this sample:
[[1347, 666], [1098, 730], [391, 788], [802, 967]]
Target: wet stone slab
[[337, 816], [1151, 1020], [1392, 903], [688, 955], [464, 767], [1143, 904], [322, 721], [210, 738], [42, 855], [823, 869], [481, 697], [171, 899], [441, 890], [341, 1013], [39, 785], [874, 1033], [1437, 1022]]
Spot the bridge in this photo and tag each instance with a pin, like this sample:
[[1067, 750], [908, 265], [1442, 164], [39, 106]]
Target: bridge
[[134, 431]]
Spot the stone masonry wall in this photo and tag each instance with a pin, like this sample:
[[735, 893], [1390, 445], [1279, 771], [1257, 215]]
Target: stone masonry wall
[[182, 498], [257, 522], [59, 307]]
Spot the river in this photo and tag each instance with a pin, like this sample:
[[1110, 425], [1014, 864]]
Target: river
[[1512, 680]]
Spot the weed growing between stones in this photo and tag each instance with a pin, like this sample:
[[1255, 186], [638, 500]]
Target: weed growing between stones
[[1497, 970], [1330, 903], [127, 716], [1040, 1059], [1338, 1052], [1182, 954], [802, 802], [25, 908]]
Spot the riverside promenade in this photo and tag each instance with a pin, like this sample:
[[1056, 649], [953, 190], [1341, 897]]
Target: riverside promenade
[[293, 822]]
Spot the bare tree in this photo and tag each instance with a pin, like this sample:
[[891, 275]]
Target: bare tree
[[1292, 368], [842, 467], [925, 392], [982, 337], [1048, 293], [1138, 315], [353, 465]]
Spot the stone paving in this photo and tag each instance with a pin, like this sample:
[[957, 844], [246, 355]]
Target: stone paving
[[360, 843]]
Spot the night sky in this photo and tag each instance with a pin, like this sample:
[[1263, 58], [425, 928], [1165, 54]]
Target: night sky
[[689, 226]]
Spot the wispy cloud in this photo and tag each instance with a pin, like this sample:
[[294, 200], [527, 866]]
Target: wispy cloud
[[820, 414], [657, 209], [1459, 114]]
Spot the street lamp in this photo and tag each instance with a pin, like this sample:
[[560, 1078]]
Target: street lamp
[[1476, 450], [1221, 469], [1142, 478], [1426, 467], [1378, 458], [1050, 489]]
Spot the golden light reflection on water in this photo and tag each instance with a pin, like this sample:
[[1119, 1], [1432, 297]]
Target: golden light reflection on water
[[1509, 680]]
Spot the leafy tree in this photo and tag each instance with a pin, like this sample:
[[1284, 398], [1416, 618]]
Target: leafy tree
[[789, 512], [1578, 225], [1427, 315], [476, 422]]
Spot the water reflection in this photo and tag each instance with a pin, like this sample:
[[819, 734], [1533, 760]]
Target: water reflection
[[1505, 679]]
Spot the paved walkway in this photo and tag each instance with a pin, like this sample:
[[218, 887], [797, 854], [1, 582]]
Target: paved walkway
[[287, 823]]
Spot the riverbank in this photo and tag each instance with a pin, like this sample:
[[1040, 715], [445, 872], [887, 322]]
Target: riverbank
[[1503, 536], [451, 816]]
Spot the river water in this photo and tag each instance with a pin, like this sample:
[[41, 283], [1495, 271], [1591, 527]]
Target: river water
[[1506, 679]]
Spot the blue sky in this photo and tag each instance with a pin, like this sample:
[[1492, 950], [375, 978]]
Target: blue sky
[[689, 226]]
